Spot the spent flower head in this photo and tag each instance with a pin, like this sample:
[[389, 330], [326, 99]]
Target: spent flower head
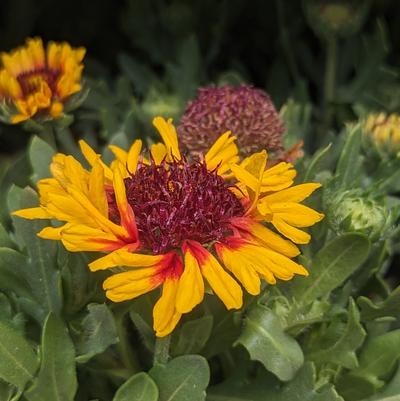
[[246, 111], [35, 82], [173, 222]]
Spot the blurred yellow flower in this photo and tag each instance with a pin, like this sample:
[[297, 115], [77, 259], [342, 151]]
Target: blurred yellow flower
[[35, 82], [383, 131], [174, 223]]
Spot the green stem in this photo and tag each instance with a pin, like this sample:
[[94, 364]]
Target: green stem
[[161, 350], [330, 71]]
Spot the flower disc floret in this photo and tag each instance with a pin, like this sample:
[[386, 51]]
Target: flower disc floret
[[176, 201]]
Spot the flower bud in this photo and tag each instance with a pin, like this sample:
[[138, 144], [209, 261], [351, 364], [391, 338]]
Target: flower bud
[[381, 133], [354, 211]]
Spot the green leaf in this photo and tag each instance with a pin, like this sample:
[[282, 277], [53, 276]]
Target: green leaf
[[347, 169], [187, 343], [40, 155], [57, 376], [12, 266], [18, 361], [41, 271], [342, 351], [140, 387], [391, 392], [376, 360], [301, 388], [5, 240], [266, 341], [184, 378], [99, 332], [389, 307], [331, 267]]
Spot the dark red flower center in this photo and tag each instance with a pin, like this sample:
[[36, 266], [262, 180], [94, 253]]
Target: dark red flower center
[[177, 201], [30, 80]]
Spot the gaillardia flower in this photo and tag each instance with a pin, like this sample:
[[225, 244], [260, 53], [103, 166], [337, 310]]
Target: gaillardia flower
[[382, 131], [37, 83], [171, 222], [244, 110]]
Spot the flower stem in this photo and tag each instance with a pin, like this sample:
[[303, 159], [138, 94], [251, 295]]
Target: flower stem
[[161, 350]]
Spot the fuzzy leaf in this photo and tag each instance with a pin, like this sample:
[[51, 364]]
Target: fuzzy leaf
[[184, 378], [41, 271], [342, 351], [187, 343], [5, 240], [18, 362], [57, 376], [40, 155], [377, 359], [99, 332], [140, 387], [389, 307], [332, 265], [266, 341], [12, 265]]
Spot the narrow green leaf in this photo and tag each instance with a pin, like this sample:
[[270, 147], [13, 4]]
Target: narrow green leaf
[[188, 343], [315, 162], [184, 378], [57, 376], [342, 351], [99, 332], [266, 341], [331, 267], [41, 271], [18, 362], [140, 387], [40, 155], [348, 167]]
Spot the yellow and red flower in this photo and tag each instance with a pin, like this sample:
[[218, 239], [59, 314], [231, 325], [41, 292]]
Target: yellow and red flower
[[172, 222], [35, 82]]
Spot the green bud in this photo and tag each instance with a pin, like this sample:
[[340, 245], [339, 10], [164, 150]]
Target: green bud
[[332, 18], [161, 104], [355, 211]]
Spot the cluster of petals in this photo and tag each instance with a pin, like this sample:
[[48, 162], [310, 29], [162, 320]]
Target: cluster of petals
[[259, 244], [35, 81]]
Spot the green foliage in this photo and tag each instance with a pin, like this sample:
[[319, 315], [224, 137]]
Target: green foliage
[[266, 341], [139, 387], [184, 378]]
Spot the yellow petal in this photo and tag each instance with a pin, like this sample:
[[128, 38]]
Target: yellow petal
[[92, 157], [191, 285], [294, 234], [124, 258], [53, 233], [124, 208], [165, 316], [119, 153], [32, 213], [223, 285], [295, 214], [169, 136], [133, 156], [222, 153], [296, 193], [97, 191], [158, 152], [240, 267]]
